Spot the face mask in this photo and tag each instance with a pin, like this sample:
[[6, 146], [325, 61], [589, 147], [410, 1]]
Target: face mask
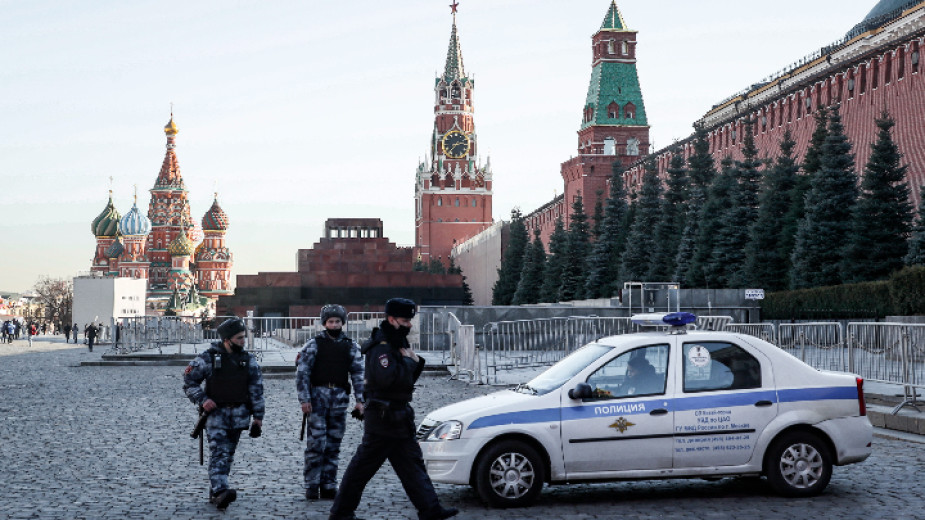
[[236, 348], [333, 332], [403, 331]]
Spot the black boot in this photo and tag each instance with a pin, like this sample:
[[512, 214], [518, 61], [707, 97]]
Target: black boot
[[311, 493], [223, 498], [328, 493]]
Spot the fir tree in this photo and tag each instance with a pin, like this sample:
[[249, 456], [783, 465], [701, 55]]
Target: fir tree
[[703, 271], [555, 264], [767, 255], [640, 244], [435, 266], [701, 172], [672, 217], [578, 244], [826, 226], [916, 254], [531, 278], [512, 262], [603, 264], [883, 214], [743, 212], [597, 220]]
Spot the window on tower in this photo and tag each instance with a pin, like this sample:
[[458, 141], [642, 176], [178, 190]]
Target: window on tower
[[624, 48], [456, 91], [613, 110], [457, 202], [629, 111], [475, 203], [610, 49], [439, 201]]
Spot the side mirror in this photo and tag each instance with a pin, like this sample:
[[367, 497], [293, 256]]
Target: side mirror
[[582, 391]]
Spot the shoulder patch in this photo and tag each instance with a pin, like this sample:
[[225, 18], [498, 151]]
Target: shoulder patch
[[384, 360], [189, 368]]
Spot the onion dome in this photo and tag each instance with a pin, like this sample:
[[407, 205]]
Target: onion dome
[[171, 128], [115, 249], [215, 219], [134, 223], [182, 245], [107, 223]]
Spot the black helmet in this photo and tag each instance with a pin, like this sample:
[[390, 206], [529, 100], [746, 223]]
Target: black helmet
[[333, 311], [230, 327]]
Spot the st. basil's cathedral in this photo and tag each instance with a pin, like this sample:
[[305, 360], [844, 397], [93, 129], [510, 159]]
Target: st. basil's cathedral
[[185, 263]]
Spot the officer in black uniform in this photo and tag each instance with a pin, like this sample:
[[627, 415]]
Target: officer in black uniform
[[233, 392], [392, 368]]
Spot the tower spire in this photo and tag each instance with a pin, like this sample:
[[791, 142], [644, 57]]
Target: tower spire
[[454, 61], [613, 20]]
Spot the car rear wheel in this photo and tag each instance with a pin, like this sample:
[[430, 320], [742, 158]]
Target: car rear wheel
[[799, 465], [509, 474]]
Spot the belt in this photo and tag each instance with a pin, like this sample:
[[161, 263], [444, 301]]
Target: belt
[[329, 385]]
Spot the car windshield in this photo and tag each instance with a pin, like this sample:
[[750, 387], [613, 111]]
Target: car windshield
[[564, 370]]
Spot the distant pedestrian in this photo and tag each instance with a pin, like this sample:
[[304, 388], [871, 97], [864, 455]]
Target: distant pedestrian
[[326, 366], [32, 331], [90, 334], [75, 330], [67, 334], [392, 368], [232, 394]]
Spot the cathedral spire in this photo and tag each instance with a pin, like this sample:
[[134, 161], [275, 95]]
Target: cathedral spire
[[454, 61]]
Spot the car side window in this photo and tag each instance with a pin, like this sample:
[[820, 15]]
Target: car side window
[[719, 366], [641, 371]]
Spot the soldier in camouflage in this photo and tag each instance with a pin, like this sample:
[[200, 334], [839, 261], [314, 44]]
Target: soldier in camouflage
[[233, 393], [325, 368]]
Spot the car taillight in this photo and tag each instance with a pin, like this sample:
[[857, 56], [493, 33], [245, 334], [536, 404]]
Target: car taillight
[[862, 406]]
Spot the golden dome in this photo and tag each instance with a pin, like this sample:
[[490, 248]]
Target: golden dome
[[171, 128], [182, 245]]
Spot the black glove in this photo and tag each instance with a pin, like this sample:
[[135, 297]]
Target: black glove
[[255, 430], [356, 414]]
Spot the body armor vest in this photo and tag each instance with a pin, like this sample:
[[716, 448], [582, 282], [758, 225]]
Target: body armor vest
[[332, 362], [228, 383]]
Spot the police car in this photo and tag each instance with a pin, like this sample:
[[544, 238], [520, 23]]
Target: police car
[[654, 405]]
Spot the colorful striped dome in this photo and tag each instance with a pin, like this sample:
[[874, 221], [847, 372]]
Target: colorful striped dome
[[182, 245], [115, 249], [134, 223], [215, 219], [107, 223]]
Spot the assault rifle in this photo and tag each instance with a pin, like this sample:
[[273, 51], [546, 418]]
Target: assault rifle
[[197, 432]]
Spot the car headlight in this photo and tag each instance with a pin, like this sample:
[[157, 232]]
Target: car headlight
[[445, 431]]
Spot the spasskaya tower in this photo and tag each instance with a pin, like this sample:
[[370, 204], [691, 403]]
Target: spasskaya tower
[[452, 191]]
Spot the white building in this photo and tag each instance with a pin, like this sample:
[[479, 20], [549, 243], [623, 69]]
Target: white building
[[100, 299]]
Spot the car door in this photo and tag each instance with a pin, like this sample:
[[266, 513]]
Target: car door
[[725, 399], [625, 425]]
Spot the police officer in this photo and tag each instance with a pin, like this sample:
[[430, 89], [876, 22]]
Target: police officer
[[392, 368], [233, 392], [325, 367]]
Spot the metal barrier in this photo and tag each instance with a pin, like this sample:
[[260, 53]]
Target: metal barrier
[[819, 344], [764, 331], [889, 353], [263, 333], [712, 322], [532, 343], [464, 356]]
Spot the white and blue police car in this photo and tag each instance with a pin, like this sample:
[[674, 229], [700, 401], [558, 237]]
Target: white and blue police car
[[654, 405]]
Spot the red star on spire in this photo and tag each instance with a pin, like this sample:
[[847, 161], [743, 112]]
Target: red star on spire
[[454, 6]]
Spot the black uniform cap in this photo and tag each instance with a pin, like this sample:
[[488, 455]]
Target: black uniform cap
[[230, 327], [400, 308], [333, 311]]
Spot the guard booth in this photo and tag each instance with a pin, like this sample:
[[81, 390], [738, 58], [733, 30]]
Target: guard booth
[[646, 297]]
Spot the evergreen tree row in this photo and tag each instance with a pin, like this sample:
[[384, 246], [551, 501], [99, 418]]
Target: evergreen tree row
[[769, 223]]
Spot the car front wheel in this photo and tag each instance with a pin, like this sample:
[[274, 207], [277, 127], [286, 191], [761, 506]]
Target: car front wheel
[[799, 465], [509, 474]]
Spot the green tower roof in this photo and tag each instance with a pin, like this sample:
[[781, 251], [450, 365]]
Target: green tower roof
[[613, 21], [615, 83], [454, 61]]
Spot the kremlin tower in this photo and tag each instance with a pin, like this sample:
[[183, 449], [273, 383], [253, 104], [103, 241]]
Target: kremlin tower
[[179, 258], [452, 191]]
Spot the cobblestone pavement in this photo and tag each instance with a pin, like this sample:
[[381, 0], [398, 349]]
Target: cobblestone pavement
[[113, 443]]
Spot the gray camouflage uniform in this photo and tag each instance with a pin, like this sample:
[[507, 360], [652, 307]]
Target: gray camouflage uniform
[[224, 425], [328, 418]]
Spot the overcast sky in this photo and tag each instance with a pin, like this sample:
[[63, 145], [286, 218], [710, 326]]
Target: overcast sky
[[297, 111]]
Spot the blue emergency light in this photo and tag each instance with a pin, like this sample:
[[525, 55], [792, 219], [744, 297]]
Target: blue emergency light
[[661, 319]]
